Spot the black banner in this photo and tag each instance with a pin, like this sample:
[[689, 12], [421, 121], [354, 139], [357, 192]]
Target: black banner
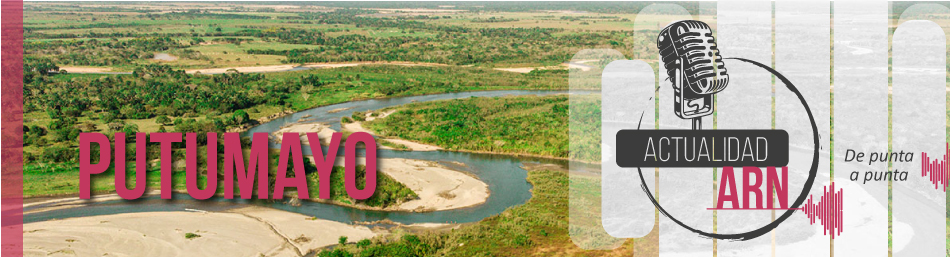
[[702, 148]]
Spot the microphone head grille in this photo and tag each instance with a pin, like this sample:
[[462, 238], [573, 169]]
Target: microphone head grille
[[691, 43]]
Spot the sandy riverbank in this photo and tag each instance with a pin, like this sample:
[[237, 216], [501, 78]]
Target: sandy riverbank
[[568, 65], [439, 188], [65, 202], [287, 67], [250, 231], [77, 69], [322, 130]]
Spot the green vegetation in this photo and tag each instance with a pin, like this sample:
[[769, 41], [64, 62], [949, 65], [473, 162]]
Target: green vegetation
[[585, 126], [515, 125], [190, 235], [539, 227], [96, 52], [59, 107], [158, 98], [51, 179]]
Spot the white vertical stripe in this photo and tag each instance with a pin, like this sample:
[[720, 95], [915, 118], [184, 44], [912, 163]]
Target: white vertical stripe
[[919, 116], [860, 87], [745, 30], [684, 192], [627, 89], [803, 55]]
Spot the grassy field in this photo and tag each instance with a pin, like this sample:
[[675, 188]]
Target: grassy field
[[218, 55], [513, 125], [529, 126]]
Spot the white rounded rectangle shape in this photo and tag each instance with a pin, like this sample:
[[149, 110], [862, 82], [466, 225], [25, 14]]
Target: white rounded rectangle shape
[[919, 126], [627, 91]]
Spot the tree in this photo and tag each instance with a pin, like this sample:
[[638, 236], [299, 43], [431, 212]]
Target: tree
[[363, 243], [107, 117], [241, 117], [89, 126], [42, 66], [116, 126], [130, 130], [64, 129], [162, 120], [60, 154]]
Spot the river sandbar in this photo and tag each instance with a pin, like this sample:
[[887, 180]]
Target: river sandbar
[[438, 187], [86, 69]]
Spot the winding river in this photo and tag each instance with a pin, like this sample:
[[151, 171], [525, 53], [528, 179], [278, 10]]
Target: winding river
[[504, 175]]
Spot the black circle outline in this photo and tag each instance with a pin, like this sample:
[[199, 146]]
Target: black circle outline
[[801, 197]]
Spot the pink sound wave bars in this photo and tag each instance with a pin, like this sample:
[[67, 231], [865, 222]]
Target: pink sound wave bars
[[935, 169], [829, 210]]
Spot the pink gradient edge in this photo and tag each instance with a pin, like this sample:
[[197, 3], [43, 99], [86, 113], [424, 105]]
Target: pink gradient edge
[[12, 127]]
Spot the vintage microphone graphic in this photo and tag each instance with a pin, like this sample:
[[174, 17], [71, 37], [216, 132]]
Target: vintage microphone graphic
[[694, 66]]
